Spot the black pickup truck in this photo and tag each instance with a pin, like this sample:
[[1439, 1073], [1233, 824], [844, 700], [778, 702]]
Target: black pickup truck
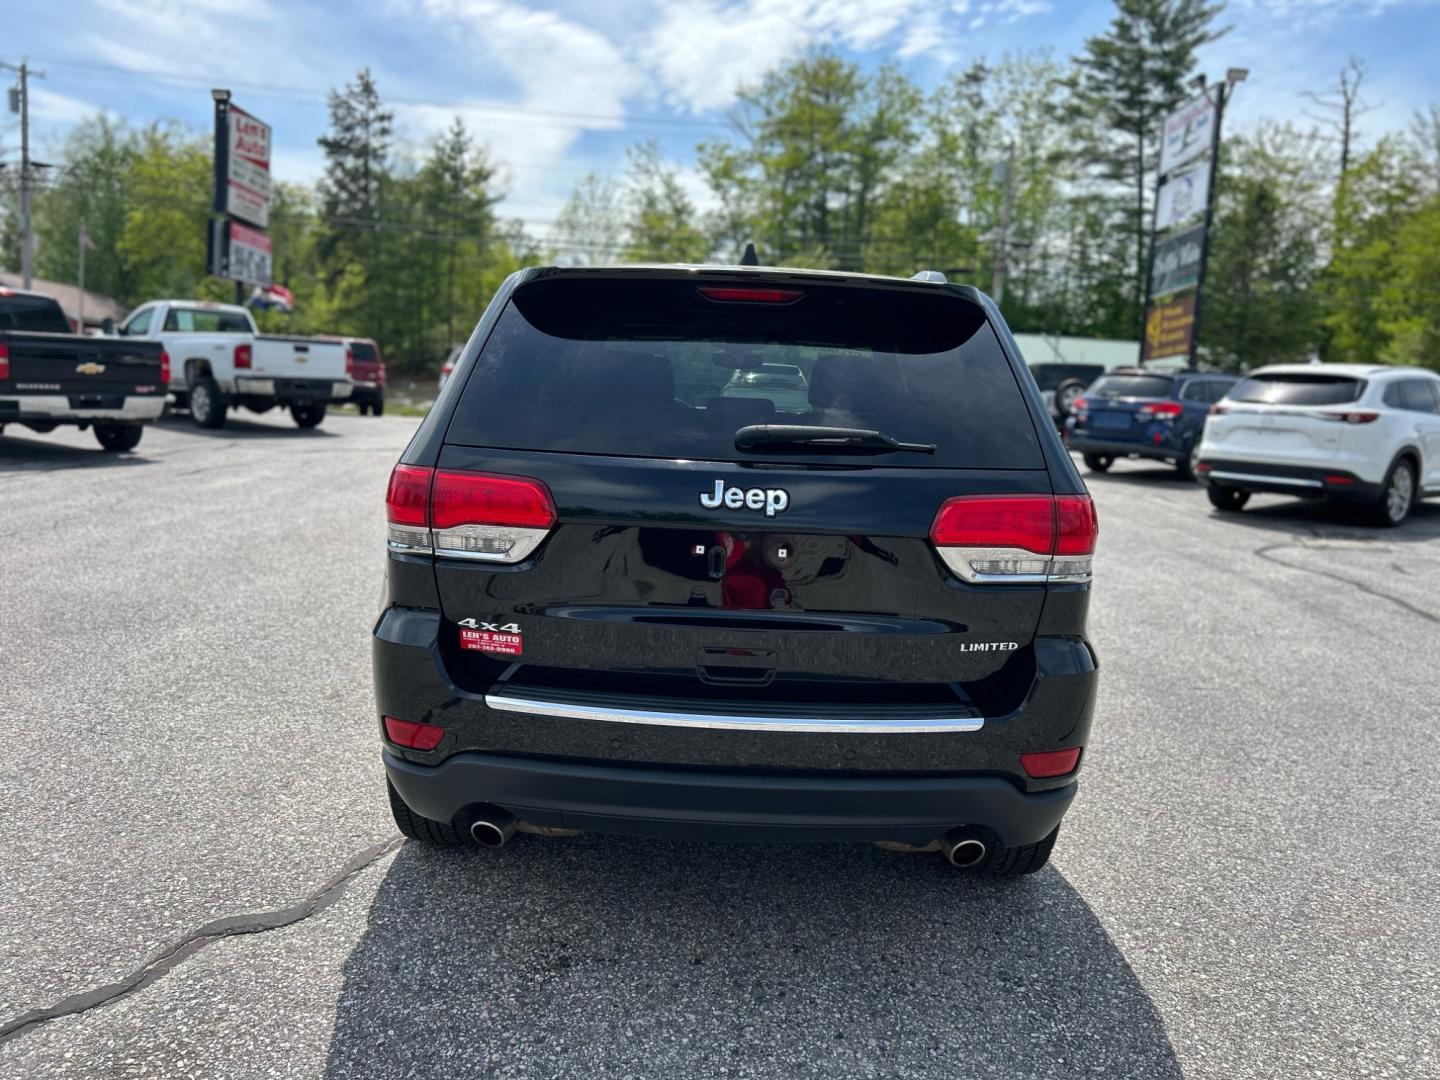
[[50, 376]]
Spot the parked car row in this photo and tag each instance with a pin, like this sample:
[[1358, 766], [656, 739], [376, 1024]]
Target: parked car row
[[1364, 434], [204, 357]]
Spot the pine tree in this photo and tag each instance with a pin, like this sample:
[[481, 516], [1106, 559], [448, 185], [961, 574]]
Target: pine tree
[[1126, 80], [357, 152]]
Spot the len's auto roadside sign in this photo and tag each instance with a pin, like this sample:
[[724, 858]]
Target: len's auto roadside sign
[[247, 168], [1169, 327]]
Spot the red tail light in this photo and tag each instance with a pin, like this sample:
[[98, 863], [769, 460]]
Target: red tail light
[[1363, 416], [242, 357], [349, 364], [1044, 764], [1339, 480], [415, 736], [1079, 405], [1219, 409], [164, 368], [467, 515], [1017, 538], [727, 294], [1160, 410], [4, 361]]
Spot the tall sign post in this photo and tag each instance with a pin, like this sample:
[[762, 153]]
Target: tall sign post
[[1186, 180], [238, 243]]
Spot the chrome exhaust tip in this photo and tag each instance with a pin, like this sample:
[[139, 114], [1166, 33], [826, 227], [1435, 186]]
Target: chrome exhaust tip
[[962, 848], [494, 827]]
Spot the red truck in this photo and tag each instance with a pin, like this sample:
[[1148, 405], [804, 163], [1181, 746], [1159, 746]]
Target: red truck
[[367, 371]]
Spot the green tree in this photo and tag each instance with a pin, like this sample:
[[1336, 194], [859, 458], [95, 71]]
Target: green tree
[[1125, 81], [660, 218], [167, 213], [357, 160], [817, 145], [1271, 221], [88, 186], [590, 230]]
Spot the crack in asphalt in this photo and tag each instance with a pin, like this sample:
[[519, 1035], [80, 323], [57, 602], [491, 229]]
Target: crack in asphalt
[[257, 922], [1265, 553]]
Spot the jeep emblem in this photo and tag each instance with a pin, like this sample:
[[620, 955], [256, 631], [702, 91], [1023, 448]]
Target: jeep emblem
[[771, 500]]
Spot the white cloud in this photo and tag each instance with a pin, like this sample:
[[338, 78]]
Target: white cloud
[[702, 51], [47, 105]]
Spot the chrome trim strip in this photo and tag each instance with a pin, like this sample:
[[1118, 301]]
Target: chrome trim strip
[[1287, 481], [535, 707]]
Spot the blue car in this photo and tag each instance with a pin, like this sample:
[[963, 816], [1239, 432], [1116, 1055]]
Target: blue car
[[1145, 414]]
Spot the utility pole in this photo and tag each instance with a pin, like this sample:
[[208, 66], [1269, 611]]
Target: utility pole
[[1007, 209], [27, 233]]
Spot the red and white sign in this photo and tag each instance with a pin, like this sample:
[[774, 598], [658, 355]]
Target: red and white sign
[[492, 642], [247, 180], [249, 258]]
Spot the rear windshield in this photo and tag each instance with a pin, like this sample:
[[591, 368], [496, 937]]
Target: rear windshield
[[32, 314], [1132, 386], [363, 350], [206, 321], [654, 369], [1298, 389]]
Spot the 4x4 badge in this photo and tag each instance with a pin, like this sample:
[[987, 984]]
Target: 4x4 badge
[[771, 500]]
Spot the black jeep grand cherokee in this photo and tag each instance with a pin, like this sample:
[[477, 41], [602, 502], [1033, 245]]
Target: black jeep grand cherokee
[[624, 596]]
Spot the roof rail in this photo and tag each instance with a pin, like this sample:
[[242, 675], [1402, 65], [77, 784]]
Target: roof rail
[[930, 275]]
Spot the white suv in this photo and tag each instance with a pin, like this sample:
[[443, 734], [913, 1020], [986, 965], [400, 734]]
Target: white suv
[[1363, 433]]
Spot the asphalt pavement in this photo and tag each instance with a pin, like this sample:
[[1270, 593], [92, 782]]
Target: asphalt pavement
[[199, 877]]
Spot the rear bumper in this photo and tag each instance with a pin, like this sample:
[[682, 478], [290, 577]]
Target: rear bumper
[[1306, 482], [715, 805], [1084, 443], [884, 774], [294, 391], [58, 407]]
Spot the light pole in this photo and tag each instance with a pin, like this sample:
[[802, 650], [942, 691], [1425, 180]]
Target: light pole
[[1233, 77]]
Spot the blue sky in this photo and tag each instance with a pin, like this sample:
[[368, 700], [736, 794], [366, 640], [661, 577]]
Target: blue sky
[[558, 87]]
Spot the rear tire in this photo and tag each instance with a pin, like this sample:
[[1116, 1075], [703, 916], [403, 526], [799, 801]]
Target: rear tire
[[118, 438], [1398, 497], [1185, 466], [207, 404], [1098, 462], [307, 416], [1228, 499], [1065, 395], [420, 828], [377, 407]]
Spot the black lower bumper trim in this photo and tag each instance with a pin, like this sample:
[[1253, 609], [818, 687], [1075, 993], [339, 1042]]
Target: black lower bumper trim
[[729, 805], [1084, 444], [1301, 481]]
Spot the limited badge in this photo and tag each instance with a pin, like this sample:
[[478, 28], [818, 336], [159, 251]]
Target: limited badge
[[502, 639]]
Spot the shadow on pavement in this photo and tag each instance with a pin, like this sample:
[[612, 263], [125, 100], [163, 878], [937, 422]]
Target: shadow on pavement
[[36, 454], [236, 428], [605, 956], [1321, 520]]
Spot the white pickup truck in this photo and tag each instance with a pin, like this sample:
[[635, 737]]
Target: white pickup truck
[[218, 360]]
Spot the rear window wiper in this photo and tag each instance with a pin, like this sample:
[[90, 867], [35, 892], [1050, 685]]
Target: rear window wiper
[[757, 436]]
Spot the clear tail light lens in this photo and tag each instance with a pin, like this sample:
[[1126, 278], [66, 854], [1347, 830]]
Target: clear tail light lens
[[467, 515], [242, 356], [1015, 539]]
